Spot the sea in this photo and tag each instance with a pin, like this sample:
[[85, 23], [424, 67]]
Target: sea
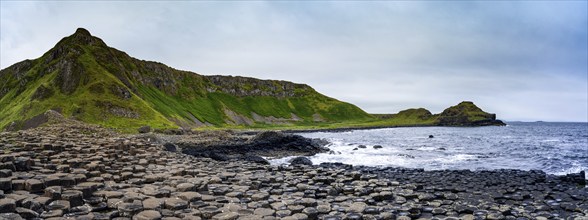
[[555, 148]]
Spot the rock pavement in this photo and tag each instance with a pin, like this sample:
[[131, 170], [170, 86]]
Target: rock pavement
[[85, 172]]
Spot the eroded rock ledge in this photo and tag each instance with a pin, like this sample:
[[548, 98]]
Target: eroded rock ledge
[[226, 145]]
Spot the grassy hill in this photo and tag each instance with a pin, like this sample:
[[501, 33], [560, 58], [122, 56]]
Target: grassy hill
[[84, 79]]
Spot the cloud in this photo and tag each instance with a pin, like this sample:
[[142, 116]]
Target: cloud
[[522, 60]]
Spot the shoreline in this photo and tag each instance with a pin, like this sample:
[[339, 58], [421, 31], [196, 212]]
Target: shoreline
[[85, 172]]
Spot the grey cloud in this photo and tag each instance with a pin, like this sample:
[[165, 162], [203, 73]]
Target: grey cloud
[[521, 60]]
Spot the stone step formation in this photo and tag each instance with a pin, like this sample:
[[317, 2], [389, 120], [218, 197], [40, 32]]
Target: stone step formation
[[85, 172]]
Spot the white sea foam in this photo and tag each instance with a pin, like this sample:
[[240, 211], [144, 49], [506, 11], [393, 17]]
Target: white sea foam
[[523, 146]]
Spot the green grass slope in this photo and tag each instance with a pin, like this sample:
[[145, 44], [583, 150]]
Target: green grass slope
[[83, 78], [465, 113]]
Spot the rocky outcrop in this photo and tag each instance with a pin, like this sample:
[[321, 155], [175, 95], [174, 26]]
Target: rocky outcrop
[[466, 114], [223, 145], [42, 92], [245, 86]]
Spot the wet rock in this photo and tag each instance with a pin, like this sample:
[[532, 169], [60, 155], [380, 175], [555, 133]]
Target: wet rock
[[301, 161], [353, 216], [51, 213], [62, 205], [378, 146], [79, 210], [255, 159]]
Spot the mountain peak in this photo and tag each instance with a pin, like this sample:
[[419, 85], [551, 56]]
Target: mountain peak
[[81, 37], [82, 32]]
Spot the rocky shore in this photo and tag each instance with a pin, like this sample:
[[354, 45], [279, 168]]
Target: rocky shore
[[247, 146], [77, 171]]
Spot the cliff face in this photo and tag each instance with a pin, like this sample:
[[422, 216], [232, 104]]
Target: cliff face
[[83, 78], [245, 86]]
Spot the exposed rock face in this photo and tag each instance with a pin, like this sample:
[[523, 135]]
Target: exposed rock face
[[245, 86], [42, 93], [237, 119], [274, 120]]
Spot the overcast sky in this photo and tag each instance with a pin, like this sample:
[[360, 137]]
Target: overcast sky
[[524, 60]]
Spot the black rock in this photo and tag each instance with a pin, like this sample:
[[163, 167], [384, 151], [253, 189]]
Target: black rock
[[578, 178], [255, 158], [144, 129], [170, 147], [431, 136], [301, 161], [219, 156], [377, 146], [361, 146], [336, 165]]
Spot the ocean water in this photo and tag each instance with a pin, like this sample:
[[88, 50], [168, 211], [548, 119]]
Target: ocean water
[[556, 148]]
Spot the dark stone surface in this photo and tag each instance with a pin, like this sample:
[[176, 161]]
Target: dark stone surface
[[270, 143], [120, 177], [300, 161], [144, 129]]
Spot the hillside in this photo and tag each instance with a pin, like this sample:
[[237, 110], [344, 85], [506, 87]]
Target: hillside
[[465, 113], [84, 79]]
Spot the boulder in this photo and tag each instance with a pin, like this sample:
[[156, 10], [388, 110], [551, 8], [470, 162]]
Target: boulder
[[144, 129], [170, 147], [255, 159], [301, 161]]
